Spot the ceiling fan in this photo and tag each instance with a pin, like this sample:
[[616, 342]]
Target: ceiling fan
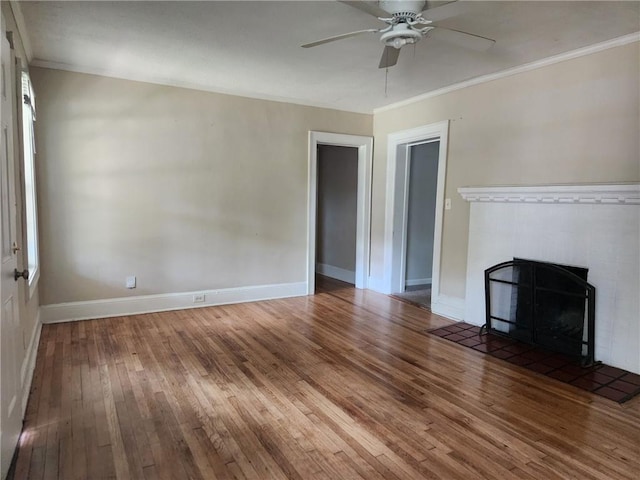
[[406, 26]]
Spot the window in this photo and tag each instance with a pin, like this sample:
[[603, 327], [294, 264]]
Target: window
[[30, 206]]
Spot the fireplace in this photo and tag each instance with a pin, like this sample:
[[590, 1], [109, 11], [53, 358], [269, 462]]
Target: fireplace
[[543, 304], [588, 225]]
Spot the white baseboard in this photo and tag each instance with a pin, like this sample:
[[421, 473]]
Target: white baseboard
[[417, 281], [115, 307], [29, 363], [336, 272], [449, 307]]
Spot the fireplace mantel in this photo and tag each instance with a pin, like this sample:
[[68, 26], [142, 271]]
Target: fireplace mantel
[[591, 226], [609, 194]]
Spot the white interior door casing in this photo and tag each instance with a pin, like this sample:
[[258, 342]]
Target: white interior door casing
[[398, 147], [10, 333], [363, 228]]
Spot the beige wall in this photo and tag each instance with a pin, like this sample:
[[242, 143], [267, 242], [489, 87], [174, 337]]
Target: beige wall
[[187, 190], [190, 190], [572, 122]]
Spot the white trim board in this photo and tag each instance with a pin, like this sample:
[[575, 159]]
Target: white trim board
[[417, 281], [610, 194], [580, 52], [338, 273], [115, 307], [363, 219]]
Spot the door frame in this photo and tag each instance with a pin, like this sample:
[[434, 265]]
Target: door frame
[[363, 216], [398, 150]]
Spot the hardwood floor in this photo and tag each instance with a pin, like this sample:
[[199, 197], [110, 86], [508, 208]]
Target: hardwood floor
[[339, 385]]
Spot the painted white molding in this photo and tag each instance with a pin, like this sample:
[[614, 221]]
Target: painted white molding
[[452, 308], [610, 194], [115, 307], [363, 216], [338, 273], [563, 57], [29, 363], [395, 214], [417, 281]]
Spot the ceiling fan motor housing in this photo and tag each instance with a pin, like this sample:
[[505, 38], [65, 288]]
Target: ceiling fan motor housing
[[402, 8]]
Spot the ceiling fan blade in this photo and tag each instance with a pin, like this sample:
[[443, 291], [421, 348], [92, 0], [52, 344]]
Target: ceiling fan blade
[[338, 37], [438, 11], [462, 39], [389, 57], [371, 8]]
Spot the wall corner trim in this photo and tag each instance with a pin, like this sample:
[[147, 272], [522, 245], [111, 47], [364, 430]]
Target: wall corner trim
[[115, 307]]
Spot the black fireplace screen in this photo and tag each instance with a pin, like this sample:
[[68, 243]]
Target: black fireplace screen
[[542, 304]]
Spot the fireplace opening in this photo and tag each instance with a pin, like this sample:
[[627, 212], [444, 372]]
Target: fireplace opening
[[544, 304]]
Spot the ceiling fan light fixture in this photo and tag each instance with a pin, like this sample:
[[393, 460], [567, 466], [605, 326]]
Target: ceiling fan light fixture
[[400, 35]]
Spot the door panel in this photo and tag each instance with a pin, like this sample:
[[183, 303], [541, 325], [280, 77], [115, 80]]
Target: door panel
[[10, 334]]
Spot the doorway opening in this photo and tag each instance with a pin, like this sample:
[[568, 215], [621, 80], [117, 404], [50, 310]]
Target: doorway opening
[[411, 250], [337, 209], [420, 203], [363, 149]]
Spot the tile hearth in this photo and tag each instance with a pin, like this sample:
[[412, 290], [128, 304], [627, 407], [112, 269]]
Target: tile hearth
[[610, 382]]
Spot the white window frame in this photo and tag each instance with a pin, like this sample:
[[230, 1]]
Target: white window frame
[[31, 253]]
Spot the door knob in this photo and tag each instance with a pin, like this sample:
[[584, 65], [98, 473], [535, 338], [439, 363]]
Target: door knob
[[15, 248], [24, 274]]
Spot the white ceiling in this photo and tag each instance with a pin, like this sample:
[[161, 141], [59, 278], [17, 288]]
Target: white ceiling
[[253, 48]]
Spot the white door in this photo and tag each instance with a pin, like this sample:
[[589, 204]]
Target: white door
[[10, 336]]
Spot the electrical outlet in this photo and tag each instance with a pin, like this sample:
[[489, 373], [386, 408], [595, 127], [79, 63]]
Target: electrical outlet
[[131, 282], [198, 298]]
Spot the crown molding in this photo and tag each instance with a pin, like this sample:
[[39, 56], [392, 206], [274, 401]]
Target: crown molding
[[605, 194], [167, 82], [580, 52]]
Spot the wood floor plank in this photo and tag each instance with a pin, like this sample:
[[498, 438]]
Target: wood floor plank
[[343, 384], [110, 388]]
